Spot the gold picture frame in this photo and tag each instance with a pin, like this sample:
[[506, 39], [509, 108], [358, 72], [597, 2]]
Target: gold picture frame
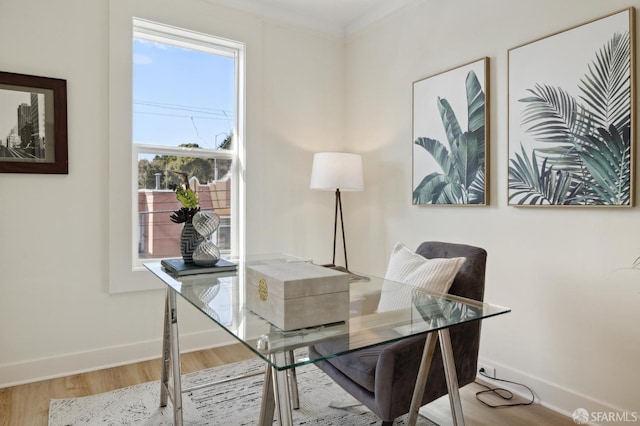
[[572, 116], [450, 161]]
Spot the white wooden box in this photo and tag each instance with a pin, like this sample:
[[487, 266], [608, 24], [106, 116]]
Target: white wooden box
[[297, 294]]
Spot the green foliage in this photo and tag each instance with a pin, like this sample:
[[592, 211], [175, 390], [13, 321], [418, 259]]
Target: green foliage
[[187, 197], [167, 165], [588, 147], [174, 174], [227, 143], [607, 158], [188, 200], [538, 184], [462, 180]]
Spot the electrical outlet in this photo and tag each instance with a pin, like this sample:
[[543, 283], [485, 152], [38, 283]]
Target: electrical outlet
[[487, 370]]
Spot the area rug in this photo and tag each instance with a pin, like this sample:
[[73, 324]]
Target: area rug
[[232, 403]]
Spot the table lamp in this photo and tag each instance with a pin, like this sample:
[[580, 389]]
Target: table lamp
[[337, 171]]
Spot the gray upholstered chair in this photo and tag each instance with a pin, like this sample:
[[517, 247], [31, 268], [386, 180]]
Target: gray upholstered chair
[[383, 377]]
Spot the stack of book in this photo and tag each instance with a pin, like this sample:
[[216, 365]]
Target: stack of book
[[177, 267]]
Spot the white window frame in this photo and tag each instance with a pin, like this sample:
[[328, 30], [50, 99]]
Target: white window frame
[[132, 276]]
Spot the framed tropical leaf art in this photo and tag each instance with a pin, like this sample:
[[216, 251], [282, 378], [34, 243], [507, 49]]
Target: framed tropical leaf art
[[450, 136], [571, 116]]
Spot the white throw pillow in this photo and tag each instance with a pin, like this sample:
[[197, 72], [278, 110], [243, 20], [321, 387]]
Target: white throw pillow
[[407, 267]]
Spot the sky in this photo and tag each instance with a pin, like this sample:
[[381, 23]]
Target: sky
[[13, 96], [9, 101], [181, 95]]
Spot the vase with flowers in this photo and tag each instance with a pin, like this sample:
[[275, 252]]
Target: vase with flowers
[[189, 202]]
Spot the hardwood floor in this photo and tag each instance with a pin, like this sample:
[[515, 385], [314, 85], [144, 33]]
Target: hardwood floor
[[28, 405]]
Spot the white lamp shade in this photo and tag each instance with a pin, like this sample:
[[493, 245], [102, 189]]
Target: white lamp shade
[[337, 170]]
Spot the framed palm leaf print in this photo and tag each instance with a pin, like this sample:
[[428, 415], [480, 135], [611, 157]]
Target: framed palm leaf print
[[450, 136], [571, 116]]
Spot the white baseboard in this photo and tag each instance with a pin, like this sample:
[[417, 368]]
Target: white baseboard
[[81, 362], [550, 395]]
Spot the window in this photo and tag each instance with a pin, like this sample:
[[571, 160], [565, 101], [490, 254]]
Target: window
[[185, 115]]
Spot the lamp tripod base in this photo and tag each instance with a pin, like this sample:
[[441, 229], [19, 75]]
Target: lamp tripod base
[[335, 230], [352, 277]]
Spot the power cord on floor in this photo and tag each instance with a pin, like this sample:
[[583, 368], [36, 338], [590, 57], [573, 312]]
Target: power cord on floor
[[502, 393]]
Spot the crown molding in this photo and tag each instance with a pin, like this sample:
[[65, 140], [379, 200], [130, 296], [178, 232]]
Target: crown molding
[[384, 9], [279, 14], [313, 22]]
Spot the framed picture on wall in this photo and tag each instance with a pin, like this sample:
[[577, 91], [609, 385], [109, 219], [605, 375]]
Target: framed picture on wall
[[571, 116], [450, 136], [33, 124]]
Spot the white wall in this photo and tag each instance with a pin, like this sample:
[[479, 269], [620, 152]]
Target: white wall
[[573, 333], [56, 314]]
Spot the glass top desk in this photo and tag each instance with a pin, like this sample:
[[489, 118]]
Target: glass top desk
[[414, 312]]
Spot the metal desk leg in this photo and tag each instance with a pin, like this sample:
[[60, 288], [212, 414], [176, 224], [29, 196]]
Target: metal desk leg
[[268, 396], [451, 376], [171, 357], [268, 403], [421, 381], [293, 382], [166, 353], [281, 392]]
